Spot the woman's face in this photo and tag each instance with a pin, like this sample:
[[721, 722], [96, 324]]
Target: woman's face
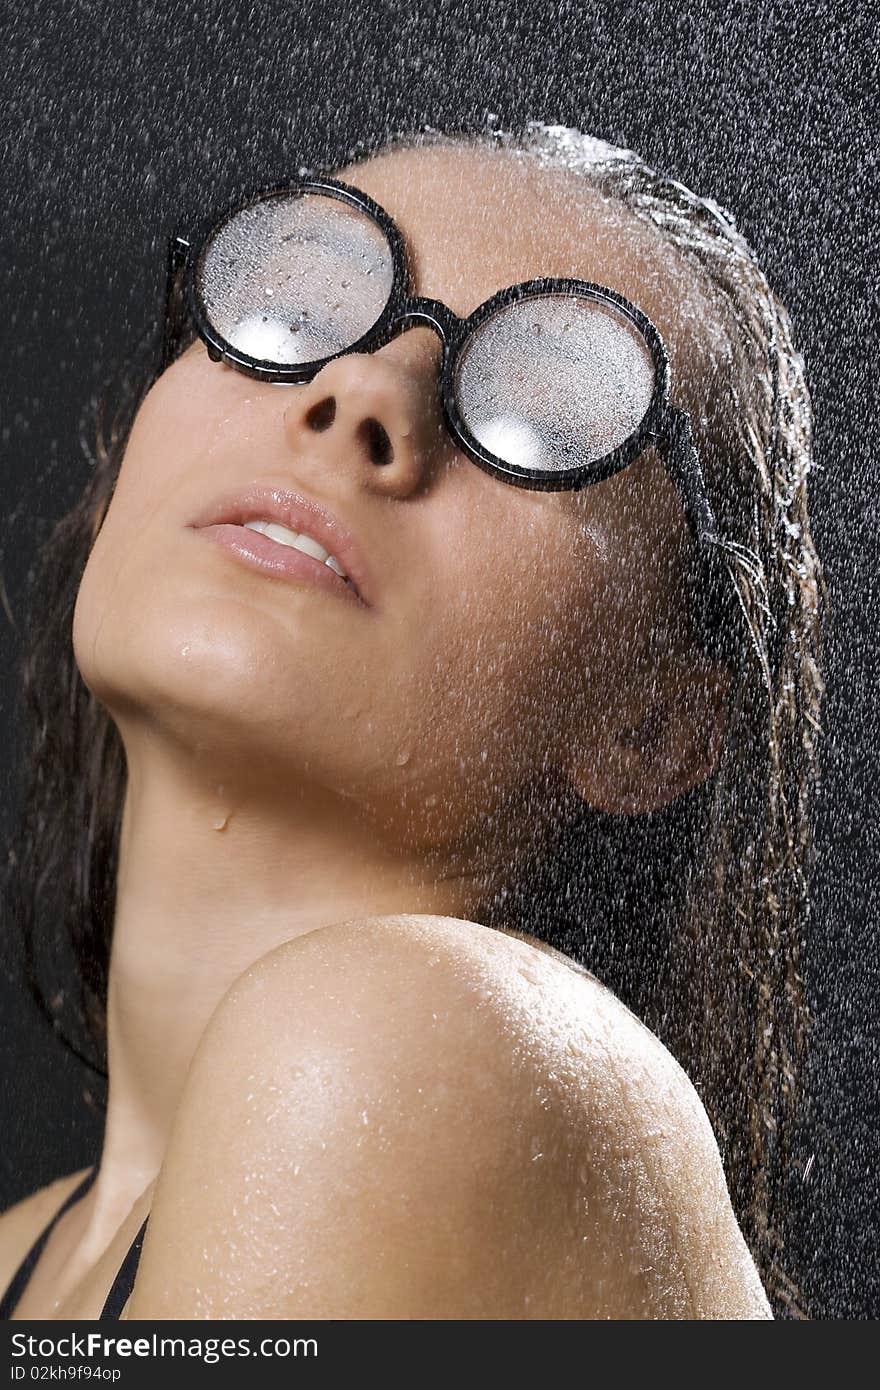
[[505, 633]]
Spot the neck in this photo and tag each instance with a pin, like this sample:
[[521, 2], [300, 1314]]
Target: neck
[[209, 880]]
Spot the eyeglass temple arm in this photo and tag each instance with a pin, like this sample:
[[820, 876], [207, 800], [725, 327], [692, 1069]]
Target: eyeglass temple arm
[[712, 598], [175, 304], [676, 446]]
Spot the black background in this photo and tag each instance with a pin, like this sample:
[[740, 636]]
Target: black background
[[120, 119]]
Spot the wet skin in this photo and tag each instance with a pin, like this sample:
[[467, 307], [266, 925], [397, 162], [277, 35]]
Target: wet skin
[[352, 757]]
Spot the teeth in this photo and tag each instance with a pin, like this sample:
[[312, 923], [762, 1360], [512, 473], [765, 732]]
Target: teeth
[[335, 565], [298, 540]]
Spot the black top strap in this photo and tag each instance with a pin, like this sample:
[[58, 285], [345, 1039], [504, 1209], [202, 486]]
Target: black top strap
[[124, 1281], [122, 1284], [19, 1280]]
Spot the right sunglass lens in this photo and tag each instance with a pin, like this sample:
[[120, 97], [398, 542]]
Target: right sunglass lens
[[293, 278], [554, 381]]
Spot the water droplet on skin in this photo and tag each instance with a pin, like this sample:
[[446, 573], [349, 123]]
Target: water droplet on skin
[[221, 818], [527, 973]]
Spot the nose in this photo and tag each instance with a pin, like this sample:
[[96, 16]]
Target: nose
[[377, 413]]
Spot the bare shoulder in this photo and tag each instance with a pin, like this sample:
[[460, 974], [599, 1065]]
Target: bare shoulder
[[419, 1117], [21, 1224]]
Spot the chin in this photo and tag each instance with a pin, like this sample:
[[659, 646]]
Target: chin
[[209, 678]]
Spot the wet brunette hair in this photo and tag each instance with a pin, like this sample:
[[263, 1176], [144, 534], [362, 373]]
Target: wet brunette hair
[[694, 914]]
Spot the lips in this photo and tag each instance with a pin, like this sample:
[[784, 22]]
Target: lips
[[299, 514]]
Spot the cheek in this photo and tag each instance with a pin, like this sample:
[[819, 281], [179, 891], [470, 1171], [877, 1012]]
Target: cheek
[[163, 437], [166, 433], [184, 416], [168, 437], [512, 638]]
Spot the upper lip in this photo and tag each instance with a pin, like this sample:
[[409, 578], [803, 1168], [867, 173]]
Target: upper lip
[[297, 512]]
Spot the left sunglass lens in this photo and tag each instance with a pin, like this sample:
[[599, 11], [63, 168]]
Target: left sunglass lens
[[554, 381], [295, 277]]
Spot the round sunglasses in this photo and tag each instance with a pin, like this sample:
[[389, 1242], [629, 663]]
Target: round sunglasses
[[550, 384]]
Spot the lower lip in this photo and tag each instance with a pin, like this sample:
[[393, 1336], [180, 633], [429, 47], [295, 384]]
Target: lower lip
[[261, 553]]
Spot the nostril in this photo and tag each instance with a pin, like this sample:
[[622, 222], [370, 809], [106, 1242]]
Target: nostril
[[376, 438], [322, 415]]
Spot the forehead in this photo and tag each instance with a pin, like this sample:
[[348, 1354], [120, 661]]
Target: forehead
[[478, 219]]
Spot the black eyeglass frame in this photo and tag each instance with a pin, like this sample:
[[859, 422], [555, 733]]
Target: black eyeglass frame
[[665, 426]]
